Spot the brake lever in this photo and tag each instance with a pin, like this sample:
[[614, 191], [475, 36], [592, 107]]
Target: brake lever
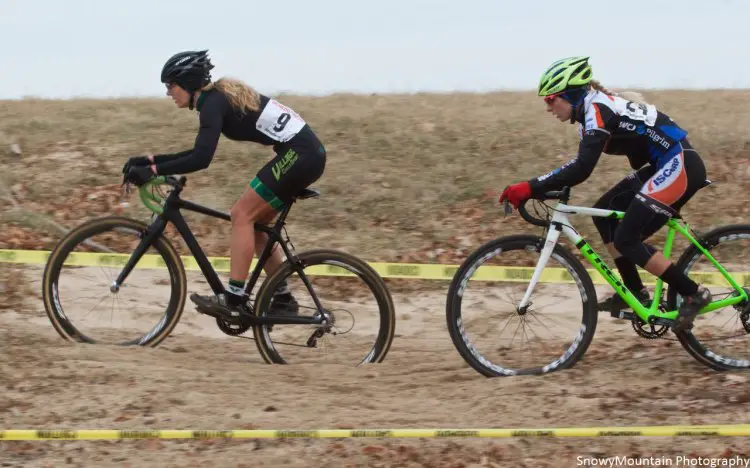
[[125, 194], [507, 208]]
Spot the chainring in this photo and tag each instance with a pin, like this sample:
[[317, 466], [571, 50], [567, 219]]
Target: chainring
[[236, 329], [233, 329], [657, 331]]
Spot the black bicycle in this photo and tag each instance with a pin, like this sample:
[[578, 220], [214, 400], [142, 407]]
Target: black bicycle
[[115, 248]]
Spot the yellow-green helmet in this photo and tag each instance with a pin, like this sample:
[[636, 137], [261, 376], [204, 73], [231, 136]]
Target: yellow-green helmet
[[564, 74]]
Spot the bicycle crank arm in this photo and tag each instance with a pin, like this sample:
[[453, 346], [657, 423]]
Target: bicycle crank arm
[[279, 320], [661, 321], [255, 320]]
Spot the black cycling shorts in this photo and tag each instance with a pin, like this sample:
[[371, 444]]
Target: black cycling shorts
[[298, 163], [649, 197]]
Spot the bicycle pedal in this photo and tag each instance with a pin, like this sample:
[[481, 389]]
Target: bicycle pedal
[[663, 321], [622, 314], [233, 319]]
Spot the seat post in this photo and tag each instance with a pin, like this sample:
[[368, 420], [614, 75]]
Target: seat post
[[305, 193], [284, 213]]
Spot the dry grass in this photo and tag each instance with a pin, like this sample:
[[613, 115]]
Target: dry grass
[[405, 173]]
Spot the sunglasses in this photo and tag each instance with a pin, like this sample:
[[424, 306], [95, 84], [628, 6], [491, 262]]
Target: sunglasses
[[551, 98]]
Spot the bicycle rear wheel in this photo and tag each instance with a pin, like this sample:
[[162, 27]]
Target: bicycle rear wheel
[[719, 339], [482, 304], [77, 285], [355, 300]]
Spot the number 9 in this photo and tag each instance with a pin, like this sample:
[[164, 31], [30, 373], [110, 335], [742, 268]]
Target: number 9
[[283, 119], [632, 109]]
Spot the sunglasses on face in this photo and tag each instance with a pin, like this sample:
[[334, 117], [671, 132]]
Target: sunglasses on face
[[551, 98]]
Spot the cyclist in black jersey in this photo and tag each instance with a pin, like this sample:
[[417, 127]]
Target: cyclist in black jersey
[[237, 111], [668, 172]]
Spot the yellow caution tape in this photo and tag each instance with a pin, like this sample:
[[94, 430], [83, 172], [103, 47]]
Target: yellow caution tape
[[427, 271], [728, 430]]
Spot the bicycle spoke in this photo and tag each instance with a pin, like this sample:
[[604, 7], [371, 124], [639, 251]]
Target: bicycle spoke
[[525, 347], [122, 320]]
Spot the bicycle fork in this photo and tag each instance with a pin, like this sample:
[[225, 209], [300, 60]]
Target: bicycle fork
[[153, 231], [558, 224], [546, 253]]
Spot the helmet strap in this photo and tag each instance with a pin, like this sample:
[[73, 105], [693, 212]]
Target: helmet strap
[[192, 98], [575, 106]]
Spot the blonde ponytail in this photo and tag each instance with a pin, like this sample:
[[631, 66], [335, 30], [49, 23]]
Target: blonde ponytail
[[629, 95], [241, 96]]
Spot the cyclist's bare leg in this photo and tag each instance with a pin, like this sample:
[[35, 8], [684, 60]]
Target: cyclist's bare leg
[[283, 302], [656, 265], [261, 239], [245, 212]]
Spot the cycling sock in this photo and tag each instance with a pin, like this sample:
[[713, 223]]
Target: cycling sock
[[629, 274], [684, 285], [235, 292], [282, 288]]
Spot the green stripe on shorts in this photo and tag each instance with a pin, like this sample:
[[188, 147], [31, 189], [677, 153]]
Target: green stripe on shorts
[[266, 194]]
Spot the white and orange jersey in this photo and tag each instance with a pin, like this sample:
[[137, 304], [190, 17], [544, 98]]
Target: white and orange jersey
[[613, 125], [633, 128]]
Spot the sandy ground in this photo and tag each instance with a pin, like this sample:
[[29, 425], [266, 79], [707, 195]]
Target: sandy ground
[[201, 379]]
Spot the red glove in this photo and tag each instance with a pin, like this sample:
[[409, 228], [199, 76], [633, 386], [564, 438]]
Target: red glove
[[516, 193]]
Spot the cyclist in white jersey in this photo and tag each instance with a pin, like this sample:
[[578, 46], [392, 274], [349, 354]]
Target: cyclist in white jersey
[[668, 173]]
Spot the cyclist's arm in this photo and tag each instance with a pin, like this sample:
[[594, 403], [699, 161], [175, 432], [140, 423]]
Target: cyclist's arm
[[211, 120], [576, 170], [162, 158]]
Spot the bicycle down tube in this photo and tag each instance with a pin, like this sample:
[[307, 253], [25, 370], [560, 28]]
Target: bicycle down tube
[[170, 212], [560, 223]]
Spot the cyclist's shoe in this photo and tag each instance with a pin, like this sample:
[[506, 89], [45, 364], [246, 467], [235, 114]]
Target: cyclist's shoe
[[218, 306], [284, 304], [689, 308], [615, 303]]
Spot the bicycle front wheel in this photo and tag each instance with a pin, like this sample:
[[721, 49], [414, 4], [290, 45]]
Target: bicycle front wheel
[[78, 292], [356, 303], [482, 307]]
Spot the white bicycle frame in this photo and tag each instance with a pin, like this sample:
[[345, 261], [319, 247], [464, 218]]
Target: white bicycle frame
[[560, 218]]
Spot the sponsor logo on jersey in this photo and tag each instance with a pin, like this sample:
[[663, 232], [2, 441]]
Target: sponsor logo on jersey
[[643, 130], [284, 164], [557, 171], [671, 169], [658, 139]]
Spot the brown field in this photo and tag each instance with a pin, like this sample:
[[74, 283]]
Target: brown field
[[409, 178]]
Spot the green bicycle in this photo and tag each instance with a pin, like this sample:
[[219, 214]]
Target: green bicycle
[[521, 264]]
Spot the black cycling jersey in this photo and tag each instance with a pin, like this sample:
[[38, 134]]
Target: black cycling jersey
[[613, 125], [272, 124]]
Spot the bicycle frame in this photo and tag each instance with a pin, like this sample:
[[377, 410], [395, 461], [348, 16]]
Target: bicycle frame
[[561, 224], [170, 212]]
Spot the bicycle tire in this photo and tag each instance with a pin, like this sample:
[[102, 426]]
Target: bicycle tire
[[453, 306], [328, 257], [62, 250]]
